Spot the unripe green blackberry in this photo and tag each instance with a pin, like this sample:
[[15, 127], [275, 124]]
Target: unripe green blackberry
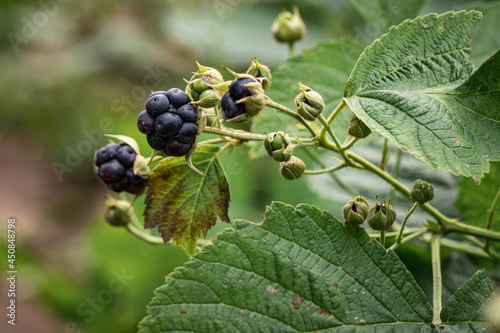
[[422, 192], [355, 210], [279, 146], [381, 216]]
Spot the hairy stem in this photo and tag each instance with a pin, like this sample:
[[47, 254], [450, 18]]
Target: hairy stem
[[437, 281], [395, 173], [142, 235], [382, 237], [240, 135], [334, 137], [332, 117], [385, 150], [409, 238], [407, 216], [334, 177], [291, 113], [326, 170]]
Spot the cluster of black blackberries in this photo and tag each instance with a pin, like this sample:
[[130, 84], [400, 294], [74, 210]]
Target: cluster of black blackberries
[[237, 91], [116, 168], [169, 122]]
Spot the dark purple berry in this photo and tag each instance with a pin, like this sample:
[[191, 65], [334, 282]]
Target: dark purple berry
[[132, 177], [176, 148], [135, 188], [167, 124], [188, 113], [159, 92], [145, 122], [156, 142], [126, 156], [106, 153], [119, 185], [178, 97], [172, 109], [229, 107], [187, 133], [157, 105], [112, 170], [237, 90]]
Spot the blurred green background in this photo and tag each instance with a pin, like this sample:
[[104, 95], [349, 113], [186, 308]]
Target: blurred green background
[[71, 70]]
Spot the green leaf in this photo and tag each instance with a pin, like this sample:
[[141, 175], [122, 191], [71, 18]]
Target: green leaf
[[181, 204], [301, 270], [414, 86], [384, 13], [325, 68], [475, 201], [469, 300]]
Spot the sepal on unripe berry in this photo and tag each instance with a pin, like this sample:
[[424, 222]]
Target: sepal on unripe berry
[[118, 212], [355, 211], [293, 168], [260, 72], [279, 146], [309, 103], [357, 128], [289, 27], [422, 192], [381, 216]]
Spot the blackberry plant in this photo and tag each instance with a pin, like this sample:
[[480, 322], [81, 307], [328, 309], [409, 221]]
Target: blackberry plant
[[359, 114]]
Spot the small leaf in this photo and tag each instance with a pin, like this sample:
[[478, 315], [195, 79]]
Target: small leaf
[[414, 86], [469, 300], [181, 204], [127, 139]]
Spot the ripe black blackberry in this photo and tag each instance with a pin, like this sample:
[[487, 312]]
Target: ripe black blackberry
[[115, 163], [169, 122]]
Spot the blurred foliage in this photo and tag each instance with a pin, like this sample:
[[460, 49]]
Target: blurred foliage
[[71, 68]]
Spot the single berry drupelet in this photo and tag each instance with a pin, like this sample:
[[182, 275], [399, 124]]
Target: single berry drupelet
[[115, 163], [171, 129]]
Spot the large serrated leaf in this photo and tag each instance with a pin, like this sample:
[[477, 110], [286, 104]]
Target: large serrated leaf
[[414, 86], [325, 68], [300, 271], [181, 203], [469, 300]]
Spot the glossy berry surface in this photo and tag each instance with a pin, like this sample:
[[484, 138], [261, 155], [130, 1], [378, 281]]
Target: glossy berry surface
[[229, 107], [237, 88], [145, 122], [171, 129], [178, 97], [157, 105], [115, 168], [167, 124]]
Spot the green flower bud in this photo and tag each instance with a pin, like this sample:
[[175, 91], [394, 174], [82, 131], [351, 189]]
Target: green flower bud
[[355, 210], [358, 128], [118, 212], [279, 146], [293, 168], [309, 103], [422, 192], [260, 72], [381, 216], [207, 99], [289, 27], [199, 85]]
